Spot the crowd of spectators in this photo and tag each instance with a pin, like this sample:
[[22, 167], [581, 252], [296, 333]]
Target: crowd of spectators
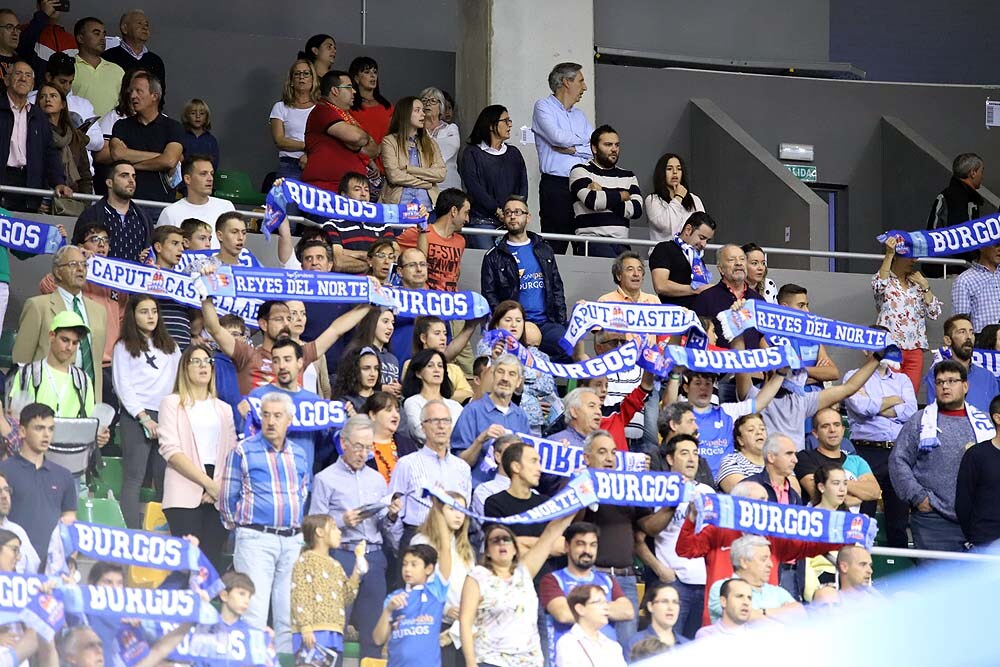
[[328, 535]]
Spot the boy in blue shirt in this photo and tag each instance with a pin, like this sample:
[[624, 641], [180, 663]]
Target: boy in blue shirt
[[411, 616]]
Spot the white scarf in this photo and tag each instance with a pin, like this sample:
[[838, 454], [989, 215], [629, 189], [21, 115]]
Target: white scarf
[[981, 424]]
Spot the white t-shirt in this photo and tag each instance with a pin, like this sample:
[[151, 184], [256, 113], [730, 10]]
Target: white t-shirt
[[208, 212], [689, 570], [206, 428], [294, 121]]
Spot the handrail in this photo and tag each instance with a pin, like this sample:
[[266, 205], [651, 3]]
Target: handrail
[[936, 555], [642, 243]]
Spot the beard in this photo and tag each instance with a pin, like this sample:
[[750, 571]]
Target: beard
[[964, 352]]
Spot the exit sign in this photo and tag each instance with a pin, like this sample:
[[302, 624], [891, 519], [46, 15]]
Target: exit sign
[[803, 172]]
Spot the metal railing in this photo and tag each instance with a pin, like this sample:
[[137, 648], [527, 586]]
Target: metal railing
[[585, 240], [934, 555]]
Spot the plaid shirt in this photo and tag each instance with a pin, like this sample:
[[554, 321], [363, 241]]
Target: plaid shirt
[[264, 486], [977, 292]]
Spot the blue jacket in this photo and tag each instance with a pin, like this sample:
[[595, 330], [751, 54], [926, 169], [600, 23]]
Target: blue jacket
[[44, 167]]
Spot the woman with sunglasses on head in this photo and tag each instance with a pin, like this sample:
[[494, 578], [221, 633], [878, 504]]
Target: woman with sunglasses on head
[[445, 134], [196, 435], [498, 617]]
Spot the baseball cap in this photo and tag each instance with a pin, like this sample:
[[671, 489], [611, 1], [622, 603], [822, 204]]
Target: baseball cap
[[67, 319]]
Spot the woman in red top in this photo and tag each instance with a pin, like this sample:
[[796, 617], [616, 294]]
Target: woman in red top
[[370, 108], [335, 141]]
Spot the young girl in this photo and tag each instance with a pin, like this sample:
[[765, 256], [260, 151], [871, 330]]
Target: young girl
[[830, 493], [143, 367], [197, 121], [358, 377], [375, 331], [321, 590]]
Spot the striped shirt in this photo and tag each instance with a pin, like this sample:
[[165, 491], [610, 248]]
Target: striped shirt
[[425, 467], [352, 235], [977, 292], [264, 486], [602, 212]]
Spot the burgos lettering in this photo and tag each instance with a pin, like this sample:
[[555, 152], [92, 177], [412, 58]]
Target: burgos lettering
[[148, 548]]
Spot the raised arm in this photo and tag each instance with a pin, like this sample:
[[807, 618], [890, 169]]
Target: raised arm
[[459, 342], [210, 318], [832, 395], [339, 327], [535, 558]]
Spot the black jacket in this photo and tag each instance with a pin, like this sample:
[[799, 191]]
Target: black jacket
[[500, 279], [956, 204], [44, 167]]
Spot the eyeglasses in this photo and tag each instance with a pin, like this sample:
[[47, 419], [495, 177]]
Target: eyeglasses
[[304, 73], [514, 212], [357, 447], [73, 265], [508, 121], [947, 382], [431, 100], [351, 86], [10, 27], [439, 421], [384, 255], [98, 240], [201, 361], [414, 265], [497, 540]]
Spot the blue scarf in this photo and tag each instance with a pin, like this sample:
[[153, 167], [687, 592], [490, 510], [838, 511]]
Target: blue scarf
[[146, 604], [190, 258], [773, 320], [946, 241], [284, 285], [807, 352], [700, 275], [796, 522], [719, 361], [565, 460], [988, 359], [633, 318], [131, 547], [218, 645], [45, 614], [36, 238], [444, 305], [310, 414], [620, 359], [16, 592], [314, 201]]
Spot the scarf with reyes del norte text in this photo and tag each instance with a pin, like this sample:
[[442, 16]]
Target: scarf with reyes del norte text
[[619, 359], [659, 359], [796, 522], [700, 275], [988, 359], [310, 414], [193, 258], [774, 320], [36, 238], [631, 318], [218, 645], [130, 547], [589, 488], [981, 423], [314, 201], [946, 241]]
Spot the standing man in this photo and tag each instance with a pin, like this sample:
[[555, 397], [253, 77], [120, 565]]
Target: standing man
[[168, 245], [678, 272], [828, 427], [959, 337], [262, 496], [442, 243], [199, 177], [342, 491], [797, 297], [977, 494], [975, 290], [607, 197], [959, 202], [132, 53], [876, 415], [129, 229], [151, 141], [97, 79], [562, 138], [732, 287], [925, 462], [779, 470], [43, 492], [413, 273], [522, 267]]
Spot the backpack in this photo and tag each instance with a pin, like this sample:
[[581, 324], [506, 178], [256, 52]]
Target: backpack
[[34, 369]]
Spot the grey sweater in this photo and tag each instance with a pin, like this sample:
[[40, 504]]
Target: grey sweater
[[921, 474]]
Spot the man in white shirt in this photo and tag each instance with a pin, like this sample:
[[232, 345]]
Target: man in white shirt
[[28, 562], [735, 597], [199, 177]]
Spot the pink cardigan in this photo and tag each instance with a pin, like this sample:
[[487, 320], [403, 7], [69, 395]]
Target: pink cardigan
[[176, 437]]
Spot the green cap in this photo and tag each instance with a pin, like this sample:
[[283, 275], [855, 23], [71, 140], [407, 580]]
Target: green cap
[[67, 319]]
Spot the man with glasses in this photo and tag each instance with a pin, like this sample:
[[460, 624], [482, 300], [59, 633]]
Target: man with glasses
[[27, 561], [412, 266], [522, 267], [128, 227], [925, 460], [17, 41], [959, 338], [353, 493], [433, 465], [69, 270], [27, 152]]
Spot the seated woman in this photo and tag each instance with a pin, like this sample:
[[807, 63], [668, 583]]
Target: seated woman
[[425, 380], [358, 377], [831, 492], [749, 434]]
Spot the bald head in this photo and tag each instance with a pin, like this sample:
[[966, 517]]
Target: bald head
[[733, 264], [751, 490]]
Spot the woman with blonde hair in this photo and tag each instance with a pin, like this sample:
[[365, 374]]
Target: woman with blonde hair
[[445, 134], [289, 116], [196, 434], [447, 528], [412, 159]]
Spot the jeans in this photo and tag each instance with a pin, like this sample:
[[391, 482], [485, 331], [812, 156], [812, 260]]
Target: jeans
[[790, 580], [136, 452], [552, 333], [367, 607], [935, 532], [555, 211], [692, 607], [611, 250], [268, 561], [480, 241], [897, 510], [625, 629], [288, 168]]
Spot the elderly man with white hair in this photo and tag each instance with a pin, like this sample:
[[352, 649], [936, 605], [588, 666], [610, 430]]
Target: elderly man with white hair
[[263, 497], [751, 559]]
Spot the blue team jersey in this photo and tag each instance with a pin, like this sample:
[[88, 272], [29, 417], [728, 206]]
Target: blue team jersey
[[415, 629], [715, 430], [532, 284], [567, 582]]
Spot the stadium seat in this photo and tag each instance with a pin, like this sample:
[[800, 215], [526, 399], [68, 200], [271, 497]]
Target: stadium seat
[[110, 474], [373, 662], [352, 650], [102, 511], [237, 188], [6, 348], [884, 566], [286, 659], [147, 495]]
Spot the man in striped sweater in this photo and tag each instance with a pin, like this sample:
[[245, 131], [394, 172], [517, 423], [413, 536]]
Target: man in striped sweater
[[606, 196]]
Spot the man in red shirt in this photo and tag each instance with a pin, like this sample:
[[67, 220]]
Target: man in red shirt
[[335, 142]]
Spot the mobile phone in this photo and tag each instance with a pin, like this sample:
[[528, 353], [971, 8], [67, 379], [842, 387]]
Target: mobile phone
[[62, 6], [395, 280]]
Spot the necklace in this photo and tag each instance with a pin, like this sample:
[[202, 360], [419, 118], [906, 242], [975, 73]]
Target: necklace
[[383, 464]]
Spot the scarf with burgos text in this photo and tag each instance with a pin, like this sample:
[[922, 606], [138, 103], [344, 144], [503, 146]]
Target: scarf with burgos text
[[659, 359], [631, 318], [36, 238], [796, 522], [946, 241], [773, 320], [619, 359], [218, 645], [310, 414], [145, 604], [988, 359], [130, 547], [314, 201]]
